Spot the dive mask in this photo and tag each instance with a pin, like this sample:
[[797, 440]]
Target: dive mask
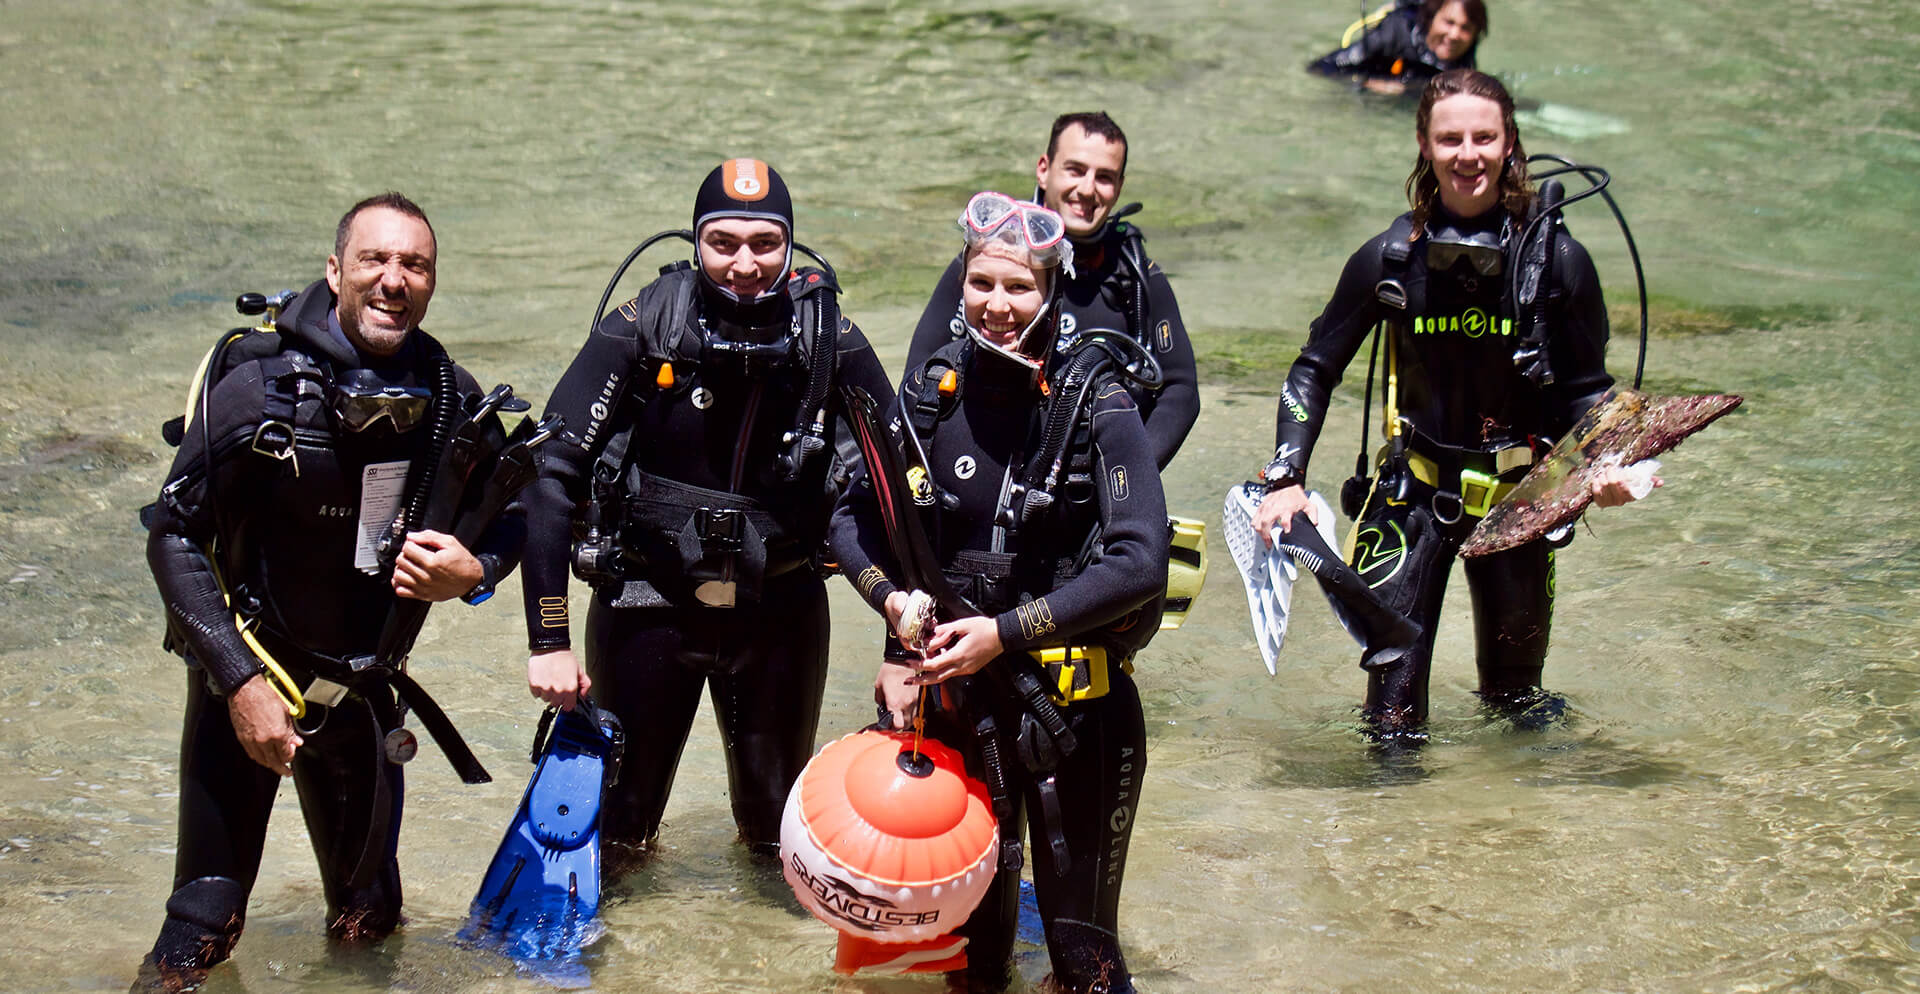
[[991, 215], [359, 399], [1447, 245]]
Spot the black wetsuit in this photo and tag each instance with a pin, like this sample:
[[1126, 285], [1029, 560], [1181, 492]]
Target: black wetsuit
[[1111, 601], [1452, 355], [710, 439], [1100, 296], [287, 532], [1394, 49]]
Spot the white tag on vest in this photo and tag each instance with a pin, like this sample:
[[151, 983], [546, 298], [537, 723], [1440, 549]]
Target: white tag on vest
[[382, 485]]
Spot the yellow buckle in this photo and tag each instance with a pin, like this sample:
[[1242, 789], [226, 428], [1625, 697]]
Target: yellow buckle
[[1476, 492], [1479, 492], [1075, 672]]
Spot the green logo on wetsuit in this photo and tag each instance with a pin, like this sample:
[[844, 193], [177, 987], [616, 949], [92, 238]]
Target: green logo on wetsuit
[[1294, 407], [1378, 552], [1473, 323]]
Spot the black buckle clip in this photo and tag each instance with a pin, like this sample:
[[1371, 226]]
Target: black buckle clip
[[721, 529]]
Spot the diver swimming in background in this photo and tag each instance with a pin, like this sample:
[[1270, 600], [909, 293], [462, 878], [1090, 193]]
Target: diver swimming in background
[[1478, 384], [1399, 49]]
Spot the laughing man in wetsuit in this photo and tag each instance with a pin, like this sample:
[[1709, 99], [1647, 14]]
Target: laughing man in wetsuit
[[1114, 287], [297, 456], [1410, 45], [698, 443], [1072, 562]]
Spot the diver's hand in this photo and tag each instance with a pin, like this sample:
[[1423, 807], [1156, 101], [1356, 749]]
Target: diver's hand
[[1278, 508], [894, 689], [1390, 87], [896, 608], [261, 723], [1613, 486], [556, 677], [958, 648], [435, 567]]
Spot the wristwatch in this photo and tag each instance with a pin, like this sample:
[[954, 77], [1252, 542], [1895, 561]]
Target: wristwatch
[[484, 589], [1282, 473]]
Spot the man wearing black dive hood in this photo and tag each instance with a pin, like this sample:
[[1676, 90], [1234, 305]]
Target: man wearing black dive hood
[[263, 546], [1045, 513], [1114, 286], [699, 450]]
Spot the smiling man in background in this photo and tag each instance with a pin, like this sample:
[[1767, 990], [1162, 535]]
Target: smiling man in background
[[1113, 286]]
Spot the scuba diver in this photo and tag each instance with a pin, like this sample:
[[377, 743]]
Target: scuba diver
[[1046, 524], [307, 441], [699, 465], [1402, 46], [1495, 334], [1115, 286]]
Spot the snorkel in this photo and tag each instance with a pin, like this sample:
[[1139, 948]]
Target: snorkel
[[1028, 234]]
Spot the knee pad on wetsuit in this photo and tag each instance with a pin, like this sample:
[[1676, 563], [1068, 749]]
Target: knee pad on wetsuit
[[204, 919], [1086, 958]]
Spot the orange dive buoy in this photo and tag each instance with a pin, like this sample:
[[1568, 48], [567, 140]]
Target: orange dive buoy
[[885, 844]]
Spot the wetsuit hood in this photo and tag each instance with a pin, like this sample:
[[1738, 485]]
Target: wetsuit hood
[[743, 188]]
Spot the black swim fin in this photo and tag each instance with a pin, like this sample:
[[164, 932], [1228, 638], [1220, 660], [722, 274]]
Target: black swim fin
[[540, 899], [1384, 634]]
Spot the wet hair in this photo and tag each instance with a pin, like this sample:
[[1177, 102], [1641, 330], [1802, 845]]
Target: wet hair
[[391, 201], [1476, 11], [1093, 122], [1423, 187]]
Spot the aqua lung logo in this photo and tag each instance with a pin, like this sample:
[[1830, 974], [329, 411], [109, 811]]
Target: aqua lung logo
[[862, 911], [599, 411], [747, 178], [1121, 818], [1472, 323], [964, 467], [1378, 552], [702, 398]]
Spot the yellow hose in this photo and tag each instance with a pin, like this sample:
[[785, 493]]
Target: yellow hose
[[1366, 23]]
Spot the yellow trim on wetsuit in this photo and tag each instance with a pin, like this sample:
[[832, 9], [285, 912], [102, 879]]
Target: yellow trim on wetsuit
[[1366, 23], [277, 678]]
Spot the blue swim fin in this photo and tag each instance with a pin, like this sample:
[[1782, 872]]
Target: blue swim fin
[[541, 897]]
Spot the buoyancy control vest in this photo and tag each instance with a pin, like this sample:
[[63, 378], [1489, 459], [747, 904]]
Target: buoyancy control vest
[[1047, 524], [1521, 293], [690, 544]]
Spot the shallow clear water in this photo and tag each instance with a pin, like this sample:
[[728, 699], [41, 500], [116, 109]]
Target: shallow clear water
[[1729, 809]]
